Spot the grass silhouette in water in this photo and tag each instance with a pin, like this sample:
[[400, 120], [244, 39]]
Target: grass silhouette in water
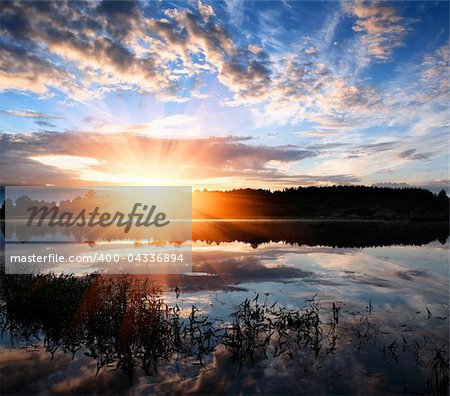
[[115, 320], [124, 322], [273, 329]]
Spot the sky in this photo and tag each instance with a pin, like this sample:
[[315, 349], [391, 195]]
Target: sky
[[223, 95]]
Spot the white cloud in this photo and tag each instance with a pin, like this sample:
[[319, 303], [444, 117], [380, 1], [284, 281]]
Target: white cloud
[[310, 50], [66, 162]]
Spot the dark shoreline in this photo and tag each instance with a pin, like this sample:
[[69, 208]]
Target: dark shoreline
[[316, 220], [339, 233]]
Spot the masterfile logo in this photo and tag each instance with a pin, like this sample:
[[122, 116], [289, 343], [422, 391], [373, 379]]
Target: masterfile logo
[[139, 230]]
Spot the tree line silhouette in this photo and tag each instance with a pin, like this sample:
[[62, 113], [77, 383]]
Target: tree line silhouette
[[340, 202], [334, 202]]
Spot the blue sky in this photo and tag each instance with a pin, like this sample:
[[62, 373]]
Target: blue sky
[[225, 94]]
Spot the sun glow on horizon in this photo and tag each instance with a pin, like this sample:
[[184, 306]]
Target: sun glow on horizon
[[165, 164]]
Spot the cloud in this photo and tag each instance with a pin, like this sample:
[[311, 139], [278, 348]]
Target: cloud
[[112, 45], [108, 46], [435, 73], [280, 181], [122, 18], [206, 11], [364, 160], [255, 49], [315, 133], [236, 10], [66, 162], [411, 154], [169, 126], [29, 114], [45, 124], [327, 146], [381, 28], [305, 89], [433, 185], [86, 51], [376, 147], [50, 157], [340, 107], [437, 185], [22, 70]]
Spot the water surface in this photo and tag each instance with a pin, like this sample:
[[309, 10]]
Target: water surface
[[381, 291]]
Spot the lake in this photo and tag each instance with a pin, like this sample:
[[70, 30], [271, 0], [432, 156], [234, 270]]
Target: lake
[[315, 307]]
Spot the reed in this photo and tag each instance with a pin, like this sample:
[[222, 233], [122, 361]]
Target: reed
[[124, 322]]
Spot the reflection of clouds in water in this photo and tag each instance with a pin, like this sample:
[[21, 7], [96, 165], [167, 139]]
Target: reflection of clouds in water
[[85, 382], [33, 372], [401, 282], [361, 272], [338, 373], [350, 234], [186, 301], [411, 274], [347, 370], [24, 370], [407, 275], [390, 276], [238, 267]]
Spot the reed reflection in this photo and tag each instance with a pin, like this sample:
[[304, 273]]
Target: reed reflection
[[125, 322]]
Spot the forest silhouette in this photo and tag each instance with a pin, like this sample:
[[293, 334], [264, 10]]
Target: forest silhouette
[[340, 202], [332, 202]]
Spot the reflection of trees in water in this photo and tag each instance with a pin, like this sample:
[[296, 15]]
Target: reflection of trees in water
[[350, 234], [124, 321], [337, 202]]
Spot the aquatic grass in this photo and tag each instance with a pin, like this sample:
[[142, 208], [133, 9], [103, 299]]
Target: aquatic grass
[[125, 323]]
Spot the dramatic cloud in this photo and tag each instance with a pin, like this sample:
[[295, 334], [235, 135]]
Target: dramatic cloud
[[325, 93], [112, 45], [24, 71], [51, 157]]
